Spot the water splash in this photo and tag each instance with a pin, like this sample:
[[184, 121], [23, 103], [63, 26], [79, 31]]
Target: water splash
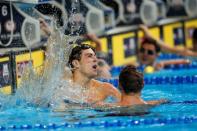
[[75, 23], [41, 89], [50, 86]]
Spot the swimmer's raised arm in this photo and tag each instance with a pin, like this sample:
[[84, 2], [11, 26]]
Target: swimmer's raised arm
[[162, 44], [165, 47], [54, 47], [45, 27]]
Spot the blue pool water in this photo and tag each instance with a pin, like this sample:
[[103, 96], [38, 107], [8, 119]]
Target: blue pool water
[[175, 83], [170, 70], [180, 113]]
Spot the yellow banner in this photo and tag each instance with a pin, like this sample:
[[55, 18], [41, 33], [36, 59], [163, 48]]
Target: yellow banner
[[23, 60], [189, 27], [124, 48], [173, 34]]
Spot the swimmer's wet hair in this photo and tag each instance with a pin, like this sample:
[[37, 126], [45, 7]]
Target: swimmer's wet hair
[[130, 80], [76, 53], [147, 40]]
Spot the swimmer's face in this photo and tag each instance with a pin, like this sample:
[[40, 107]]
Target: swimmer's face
[[88, 63], [147, 54]]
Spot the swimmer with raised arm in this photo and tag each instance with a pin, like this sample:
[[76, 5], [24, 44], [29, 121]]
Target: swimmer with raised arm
[[148, 53], [83, 62], [84, 87]]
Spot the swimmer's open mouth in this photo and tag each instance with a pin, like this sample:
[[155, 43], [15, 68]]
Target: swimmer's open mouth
[[94, 66]]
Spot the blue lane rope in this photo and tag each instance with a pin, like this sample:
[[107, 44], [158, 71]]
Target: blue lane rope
[[171, 80], [108, 124], [183, 102], [156, 80], [168, 56], [116, 69]]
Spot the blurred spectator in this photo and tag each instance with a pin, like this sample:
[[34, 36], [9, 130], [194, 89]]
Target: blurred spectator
[[176, 8], [103, 69]]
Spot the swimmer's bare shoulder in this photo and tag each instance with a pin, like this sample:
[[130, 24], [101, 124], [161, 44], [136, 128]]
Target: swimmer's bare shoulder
[[107, 89]]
